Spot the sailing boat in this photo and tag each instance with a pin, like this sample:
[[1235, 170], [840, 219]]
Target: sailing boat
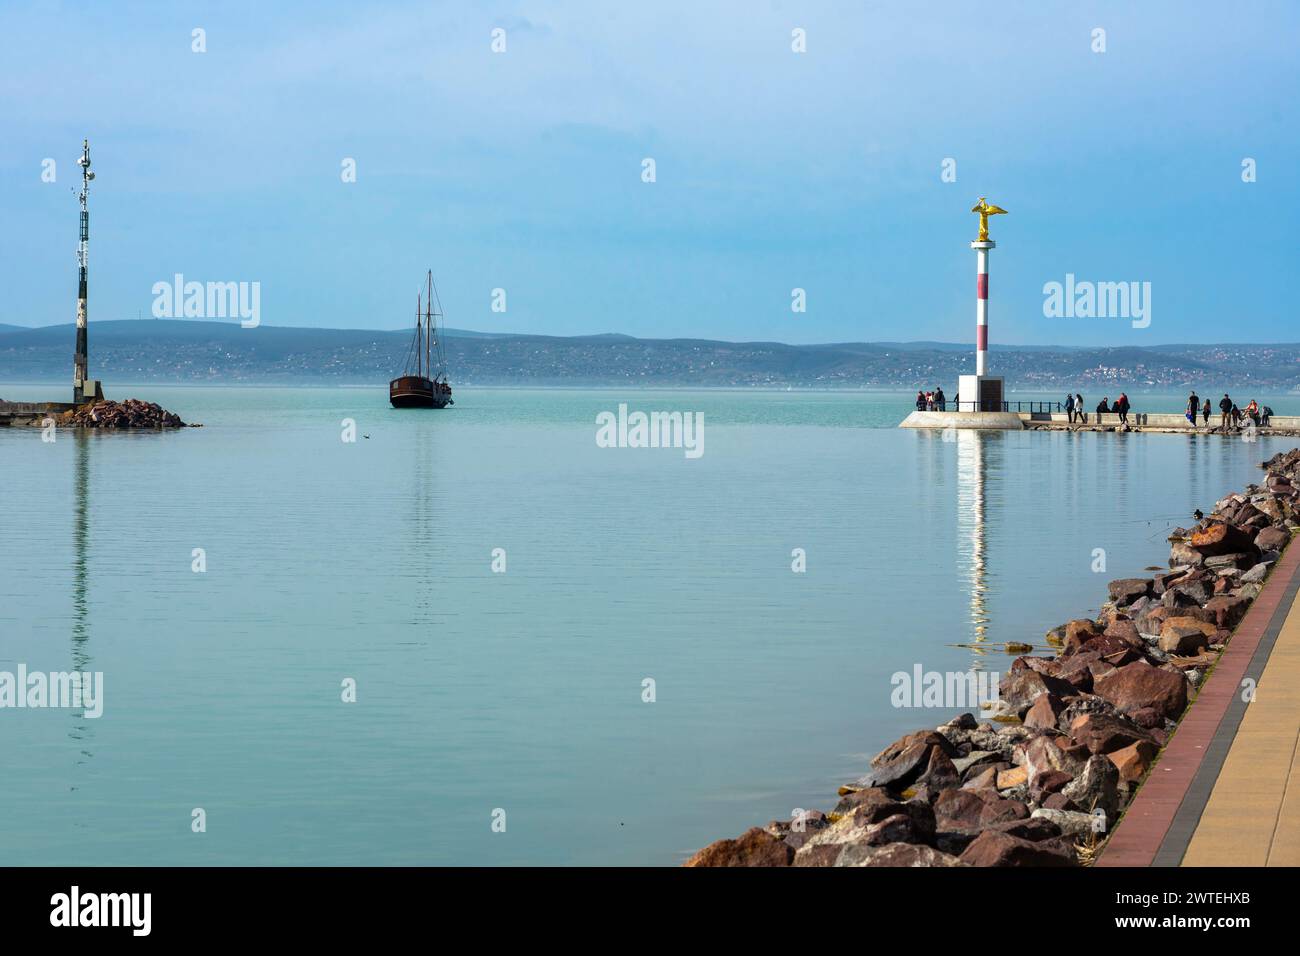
[[421, 385]]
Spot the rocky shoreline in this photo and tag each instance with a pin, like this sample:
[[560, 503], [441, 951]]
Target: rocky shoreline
[[1073, 735]]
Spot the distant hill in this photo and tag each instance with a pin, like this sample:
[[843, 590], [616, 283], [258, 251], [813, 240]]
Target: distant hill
[[192, 351]]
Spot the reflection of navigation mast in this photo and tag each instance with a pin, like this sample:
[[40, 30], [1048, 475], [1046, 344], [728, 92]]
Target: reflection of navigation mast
[[80, 541], [971, 542]]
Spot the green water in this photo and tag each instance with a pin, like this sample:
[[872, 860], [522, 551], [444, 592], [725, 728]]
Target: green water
[[522, 691]]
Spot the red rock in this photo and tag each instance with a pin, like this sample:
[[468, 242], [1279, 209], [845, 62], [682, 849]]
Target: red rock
[[1185, 635], [1043, 713], [1059, 801], [1139, 685], [1127, 590], [1272, 539], [896, 855], [1228, 610], [1102, 733], [755, 847], [1133, 761], [820, 854], [992, 848], [1220, 538]]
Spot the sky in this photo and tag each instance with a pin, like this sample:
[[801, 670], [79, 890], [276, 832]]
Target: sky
[[775, 170]]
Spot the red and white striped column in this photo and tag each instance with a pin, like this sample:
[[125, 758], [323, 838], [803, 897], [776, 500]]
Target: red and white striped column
[[982, 304]]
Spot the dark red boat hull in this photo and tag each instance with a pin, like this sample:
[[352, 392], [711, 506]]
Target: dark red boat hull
[[415, 391]]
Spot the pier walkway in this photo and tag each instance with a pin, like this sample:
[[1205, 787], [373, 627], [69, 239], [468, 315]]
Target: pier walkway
[[1226, 791]]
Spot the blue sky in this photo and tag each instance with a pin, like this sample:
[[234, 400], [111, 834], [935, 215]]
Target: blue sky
[[775, 170]]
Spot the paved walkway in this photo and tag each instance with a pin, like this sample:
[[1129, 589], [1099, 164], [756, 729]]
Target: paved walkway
[[1226, 791]]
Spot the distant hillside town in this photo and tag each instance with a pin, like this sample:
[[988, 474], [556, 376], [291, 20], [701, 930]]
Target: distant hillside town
[[196, 352]]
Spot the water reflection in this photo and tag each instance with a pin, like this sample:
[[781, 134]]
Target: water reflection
[[81, 659], [976, 451], [425, 525]]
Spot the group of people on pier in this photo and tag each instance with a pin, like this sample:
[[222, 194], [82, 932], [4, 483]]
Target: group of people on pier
[[934, 401], [1230, 416], [1074, 408]]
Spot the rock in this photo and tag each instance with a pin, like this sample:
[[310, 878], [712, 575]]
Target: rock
[[899, 773], [940, 773], [131, 413], [1104, 733], [1124, 630], [820, 854], [1080, 629], [1242, 559], [1185, 635], [1271, 539], [1059, 801], [1139, 685], [875, 800], [895, 854], [1133, 761], [1012, 778], [1034, 830], [1071, 823], [1049, 783], [1127, 590], [1019, 689], [1228, 610], [973, 809], [1097, 787], [1181, 554], [1255, 575], [965, 721], [985, 778], [755, 847], [1043, 755], [1147, 718], [1220, 538], [1043, 712], [992, 848], [927, 738], [974, 758]]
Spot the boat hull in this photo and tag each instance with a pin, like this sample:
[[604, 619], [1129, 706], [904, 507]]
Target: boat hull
[[415, 391]]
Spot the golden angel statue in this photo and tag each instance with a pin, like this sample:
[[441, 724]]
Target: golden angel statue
[[985, 210]]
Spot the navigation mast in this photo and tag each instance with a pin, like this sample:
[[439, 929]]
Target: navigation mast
[[80, 361]]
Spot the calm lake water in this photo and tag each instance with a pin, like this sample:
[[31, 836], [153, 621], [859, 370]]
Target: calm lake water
[[372, 560]]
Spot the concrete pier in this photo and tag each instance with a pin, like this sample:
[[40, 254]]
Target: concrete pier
[[1168, 423]]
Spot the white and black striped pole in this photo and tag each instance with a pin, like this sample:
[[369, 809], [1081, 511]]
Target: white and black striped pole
[[81, 360]]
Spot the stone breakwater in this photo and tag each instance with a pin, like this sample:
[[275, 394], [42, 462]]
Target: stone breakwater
[[1073, 735], [131, 413]]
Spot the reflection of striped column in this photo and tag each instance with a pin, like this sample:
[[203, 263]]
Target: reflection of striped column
[[982, 305]]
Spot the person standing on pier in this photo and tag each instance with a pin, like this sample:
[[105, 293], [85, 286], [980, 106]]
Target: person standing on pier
[[1205, 412], [1078, 408], [1122, 407], [920, 400], [1069, 407], [1225, 406], [940, 400], [1193, 408]]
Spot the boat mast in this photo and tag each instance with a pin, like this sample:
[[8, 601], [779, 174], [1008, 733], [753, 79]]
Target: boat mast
[[428, 304], [419, 337]]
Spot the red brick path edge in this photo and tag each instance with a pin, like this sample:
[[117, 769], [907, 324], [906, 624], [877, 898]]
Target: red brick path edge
[[1162, 817]]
